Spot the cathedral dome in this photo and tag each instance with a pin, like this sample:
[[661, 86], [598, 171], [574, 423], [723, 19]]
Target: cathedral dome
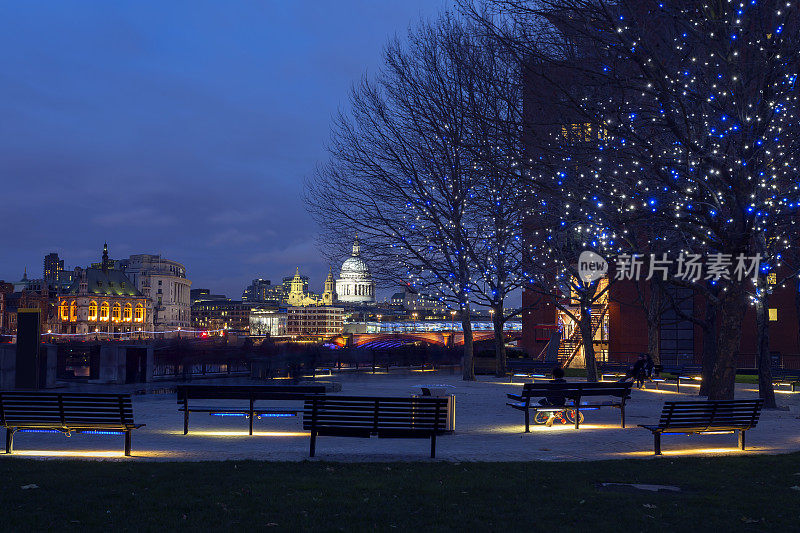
[[354, 268], [355, 282]]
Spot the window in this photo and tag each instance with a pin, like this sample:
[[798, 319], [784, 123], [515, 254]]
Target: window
[[772, 278], [73, 311], [139, 315], [63, 311], [93, 310], [127, 314], [104, 312], [773, 314], [116, 314]]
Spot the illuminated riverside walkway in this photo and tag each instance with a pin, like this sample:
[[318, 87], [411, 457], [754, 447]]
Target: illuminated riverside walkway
[[486, 430]]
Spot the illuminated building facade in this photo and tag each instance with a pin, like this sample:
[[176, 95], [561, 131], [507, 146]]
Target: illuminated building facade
[[313, 321], [271, 322], [103, 300], [355, 285]]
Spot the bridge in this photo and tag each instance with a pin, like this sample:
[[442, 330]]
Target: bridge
[[432, 338]]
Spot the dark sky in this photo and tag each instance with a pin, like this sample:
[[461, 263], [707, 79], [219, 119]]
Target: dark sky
[[183, 128]]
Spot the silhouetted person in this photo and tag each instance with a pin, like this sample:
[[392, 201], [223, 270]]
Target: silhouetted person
[[554, 399]]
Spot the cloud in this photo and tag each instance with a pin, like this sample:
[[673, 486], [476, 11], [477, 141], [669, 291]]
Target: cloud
[[140, 216]]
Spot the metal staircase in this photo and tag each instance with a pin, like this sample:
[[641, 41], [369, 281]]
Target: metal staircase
[[570, 346]]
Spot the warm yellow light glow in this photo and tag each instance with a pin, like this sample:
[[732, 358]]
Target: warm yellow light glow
[[555, 428], [424, 370], [104, 310], [89, 454], [661, 391], [68, 453], [194, 433], [773, 315], [696, 451], [92, 311]]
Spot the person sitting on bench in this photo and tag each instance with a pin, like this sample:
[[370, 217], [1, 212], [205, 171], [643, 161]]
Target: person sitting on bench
[[637, 371], [554, 399]]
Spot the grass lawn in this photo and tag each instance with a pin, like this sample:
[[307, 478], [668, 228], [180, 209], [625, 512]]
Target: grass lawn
[[751, 493]]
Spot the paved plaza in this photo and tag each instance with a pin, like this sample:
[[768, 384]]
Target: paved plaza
[[486, 429]]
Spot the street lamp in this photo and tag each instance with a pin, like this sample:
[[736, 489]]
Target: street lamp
[[414, 316], [453, 316]]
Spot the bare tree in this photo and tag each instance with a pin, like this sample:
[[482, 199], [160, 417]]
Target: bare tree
[[400, 175]]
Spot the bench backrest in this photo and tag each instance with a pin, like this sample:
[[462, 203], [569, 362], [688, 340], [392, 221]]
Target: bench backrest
[[247, 392], [543, 366], [614, 365], [375, 413], [65, 409], [574, 390], [721, 414]]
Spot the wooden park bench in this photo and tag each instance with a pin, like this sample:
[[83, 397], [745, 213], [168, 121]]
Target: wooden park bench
[[612, 370], [789, 378], [67, 413], [248, 394], [364, 416], [530, 369], [688, 373], [527, 400], [706, 416]]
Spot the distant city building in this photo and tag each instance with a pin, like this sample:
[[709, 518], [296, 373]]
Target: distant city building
[[270, 322], [222, 314], [263, 291], [204, 295], [11, 301], [164, 282], [355, 283], [299, 296], [52, 267], [54, 274], [105, 300], [316, 321], [329, 291]]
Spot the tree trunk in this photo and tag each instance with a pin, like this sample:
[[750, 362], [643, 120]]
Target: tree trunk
[[499, 341], [468, 360], [654, 324], [729, 336], [709, 355], [764, 362], [587, 339]]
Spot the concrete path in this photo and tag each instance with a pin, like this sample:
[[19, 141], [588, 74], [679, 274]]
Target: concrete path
[[486, 430]]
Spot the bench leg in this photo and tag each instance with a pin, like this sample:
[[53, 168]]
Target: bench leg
[[657, 443], [433, 446], [127, 444], [577, 416], [313, 443], [741, 439], [527, 421], [9, 440], [186, 422], [622, 414], [252, 416], [678, 386]]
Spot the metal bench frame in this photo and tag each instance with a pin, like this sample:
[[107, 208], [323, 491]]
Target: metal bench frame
[[365, 416], [706, 416], [67, 413]]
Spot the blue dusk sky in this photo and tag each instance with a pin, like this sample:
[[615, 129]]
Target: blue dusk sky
[[183, 128]]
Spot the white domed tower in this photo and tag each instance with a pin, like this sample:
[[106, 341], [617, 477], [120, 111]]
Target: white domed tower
[[355, 283]]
